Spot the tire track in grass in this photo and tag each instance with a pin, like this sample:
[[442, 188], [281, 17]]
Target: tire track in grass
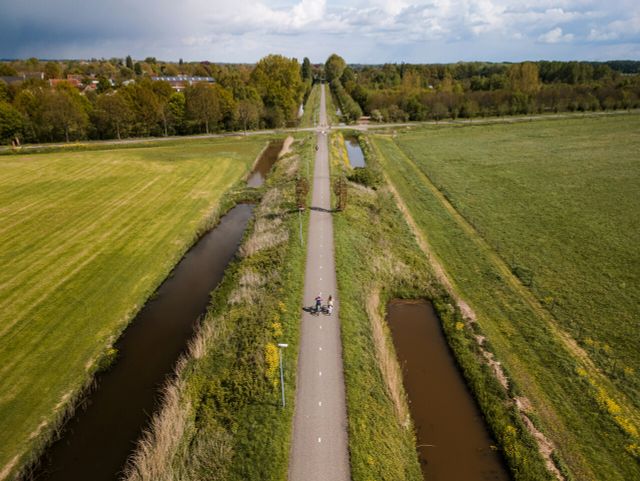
[[78, 258], [125, 268], [59, 191], [81, 260]]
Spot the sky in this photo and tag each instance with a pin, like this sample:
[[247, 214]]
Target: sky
[[361, 31]]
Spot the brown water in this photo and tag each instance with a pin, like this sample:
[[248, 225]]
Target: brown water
[[354, 151], [453, 441], [97, 441], [264, 164]]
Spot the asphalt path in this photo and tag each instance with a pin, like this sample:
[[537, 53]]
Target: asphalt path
[[319, 450]]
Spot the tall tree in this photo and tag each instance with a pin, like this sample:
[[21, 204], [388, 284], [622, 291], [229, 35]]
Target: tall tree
[[203, 105], [145, 104], [52, 70], [248, 113], [176, 111], [524, 77], [334, 67], [64, 109], [113, 114], [277, 79], [306, 72], [10, 122], [129, 62]]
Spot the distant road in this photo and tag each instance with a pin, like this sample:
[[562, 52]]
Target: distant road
[[361, 127]]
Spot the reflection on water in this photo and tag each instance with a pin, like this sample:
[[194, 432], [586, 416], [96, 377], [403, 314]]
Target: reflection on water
[[356, 156]]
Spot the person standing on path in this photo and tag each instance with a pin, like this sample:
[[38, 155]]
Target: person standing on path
[[330, 305], [318, 302]]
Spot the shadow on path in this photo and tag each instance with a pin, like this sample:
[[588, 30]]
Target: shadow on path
[[322, 209]]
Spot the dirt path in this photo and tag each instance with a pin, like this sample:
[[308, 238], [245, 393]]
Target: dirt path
[[319, 449]]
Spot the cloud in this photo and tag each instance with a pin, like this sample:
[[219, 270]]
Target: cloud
[[625, 30], [555, 36], [420, 30]]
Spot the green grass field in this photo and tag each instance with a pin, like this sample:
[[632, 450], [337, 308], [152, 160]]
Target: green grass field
[[559, 201], [85, 239], [537, 226]]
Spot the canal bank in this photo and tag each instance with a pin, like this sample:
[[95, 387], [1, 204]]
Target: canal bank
[[453, 441], [97, 440]]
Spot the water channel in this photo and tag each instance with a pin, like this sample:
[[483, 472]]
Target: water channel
[[264, 164], [356, 156], [453, 440], [96, 442]]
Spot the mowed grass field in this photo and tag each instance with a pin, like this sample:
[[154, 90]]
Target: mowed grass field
[[85, 239], [538, 226]]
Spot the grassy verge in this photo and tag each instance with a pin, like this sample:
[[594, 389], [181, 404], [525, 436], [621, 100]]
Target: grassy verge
[[332, 115], [312, 108], [377, 259], [86, 238], [593, 436], [222, 417]]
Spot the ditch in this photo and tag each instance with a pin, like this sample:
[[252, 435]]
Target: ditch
[[263, 165], [453, 441], [97, 440], [354, 151]]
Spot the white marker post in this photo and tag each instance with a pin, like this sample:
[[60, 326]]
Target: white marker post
[[282, 372]]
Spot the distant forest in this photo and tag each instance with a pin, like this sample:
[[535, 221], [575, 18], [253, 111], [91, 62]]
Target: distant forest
[[46, 101], [402, 92]]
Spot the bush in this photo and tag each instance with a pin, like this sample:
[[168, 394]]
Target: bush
[[366, 176]]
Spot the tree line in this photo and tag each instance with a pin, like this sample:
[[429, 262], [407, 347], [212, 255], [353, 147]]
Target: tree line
[[401, 92], [265, 95]]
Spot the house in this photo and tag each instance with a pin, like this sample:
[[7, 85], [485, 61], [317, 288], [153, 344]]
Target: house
[[180, 82], [12, 79], [73, 82], [21, 77]]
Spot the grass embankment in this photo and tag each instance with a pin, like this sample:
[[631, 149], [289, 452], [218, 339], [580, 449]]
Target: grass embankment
[[312, 108], [558, 201], [332, 114], [377, 259], [592, 423], [222, 417], [86, 238]]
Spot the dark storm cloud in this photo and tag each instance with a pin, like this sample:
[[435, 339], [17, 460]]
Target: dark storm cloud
[[361, 30], [44, 28]]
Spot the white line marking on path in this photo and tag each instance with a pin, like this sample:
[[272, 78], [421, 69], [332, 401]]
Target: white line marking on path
[[320, 373], [319, 403], [319, 440], [320, 348]]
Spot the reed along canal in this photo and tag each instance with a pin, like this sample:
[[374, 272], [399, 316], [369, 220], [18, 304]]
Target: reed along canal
[[453, 440], [97, 441]]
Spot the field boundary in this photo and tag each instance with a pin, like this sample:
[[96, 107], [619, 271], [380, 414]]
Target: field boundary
[[545, 446], [569, 343]]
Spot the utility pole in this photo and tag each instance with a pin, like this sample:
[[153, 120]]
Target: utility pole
[[281, 346], [300, 219]]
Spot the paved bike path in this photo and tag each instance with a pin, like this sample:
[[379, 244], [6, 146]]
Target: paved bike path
[[319, 449]]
